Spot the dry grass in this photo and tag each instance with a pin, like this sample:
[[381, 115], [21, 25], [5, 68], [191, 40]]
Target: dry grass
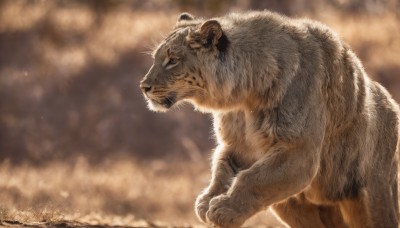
[[112, 192], [119, 192]]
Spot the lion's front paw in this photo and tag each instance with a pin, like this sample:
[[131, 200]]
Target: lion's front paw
[[202, 204], [223, 212]]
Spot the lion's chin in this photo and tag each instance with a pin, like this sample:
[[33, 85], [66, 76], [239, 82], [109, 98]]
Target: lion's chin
[[162, 106], [156, 107]]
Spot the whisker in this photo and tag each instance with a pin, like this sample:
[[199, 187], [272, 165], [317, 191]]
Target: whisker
[[155, 43], [163, 35], [149, 49], [146, 52], [169, 99]]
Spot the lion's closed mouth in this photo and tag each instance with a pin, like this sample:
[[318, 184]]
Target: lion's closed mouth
[[169, 101]]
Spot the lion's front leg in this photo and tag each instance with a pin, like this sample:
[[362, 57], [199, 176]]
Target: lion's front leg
[[223, 172], [278, 175]]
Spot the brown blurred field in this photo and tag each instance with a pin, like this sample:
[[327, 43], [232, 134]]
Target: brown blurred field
[[78, 146]]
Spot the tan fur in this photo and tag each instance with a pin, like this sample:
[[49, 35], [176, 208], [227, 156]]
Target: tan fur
[[300, 126]]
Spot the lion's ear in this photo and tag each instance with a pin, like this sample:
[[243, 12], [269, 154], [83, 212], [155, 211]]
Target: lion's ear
[[211, 31], [206, 36], [185, 17]]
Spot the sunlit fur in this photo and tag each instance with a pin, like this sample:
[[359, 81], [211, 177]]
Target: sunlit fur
[[300, 126]]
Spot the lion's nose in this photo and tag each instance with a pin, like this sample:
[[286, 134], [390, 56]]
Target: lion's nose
[[145, 87]]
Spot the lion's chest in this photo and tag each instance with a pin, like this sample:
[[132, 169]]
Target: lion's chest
[[240, 132]]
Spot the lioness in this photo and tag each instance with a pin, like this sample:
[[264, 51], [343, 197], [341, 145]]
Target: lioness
[[300, 126]]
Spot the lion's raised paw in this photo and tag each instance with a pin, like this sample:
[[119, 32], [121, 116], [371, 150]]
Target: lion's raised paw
[[222, 213]]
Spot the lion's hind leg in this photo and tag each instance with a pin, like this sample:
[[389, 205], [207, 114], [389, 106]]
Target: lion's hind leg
[[297, 212], [374, 207], [377, 208], [355, 212]]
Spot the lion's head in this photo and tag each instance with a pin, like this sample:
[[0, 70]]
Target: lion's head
[[177, 73]]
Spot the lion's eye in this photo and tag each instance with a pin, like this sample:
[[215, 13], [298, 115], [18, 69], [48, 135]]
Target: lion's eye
[[172, 61]]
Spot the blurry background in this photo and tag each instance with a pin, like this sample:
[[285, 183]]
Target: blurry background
[[76, 139]]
